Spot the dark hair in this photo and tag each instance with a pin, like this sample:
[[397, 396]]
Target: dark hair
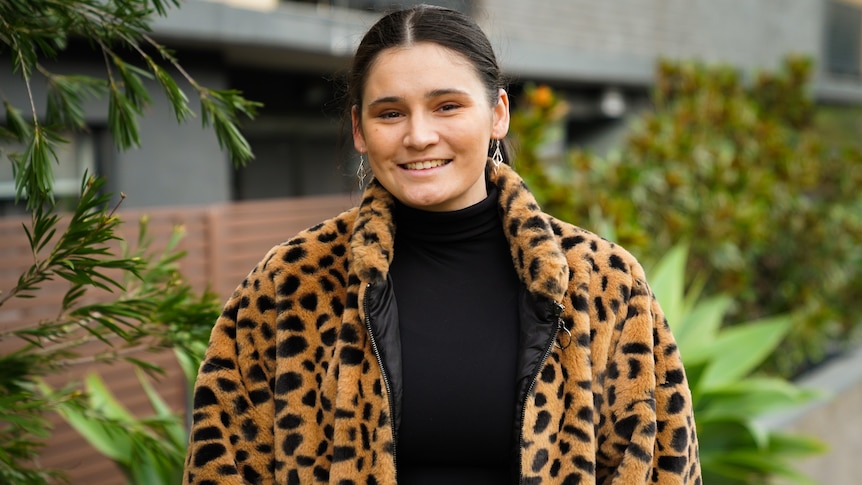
[[425, 23]]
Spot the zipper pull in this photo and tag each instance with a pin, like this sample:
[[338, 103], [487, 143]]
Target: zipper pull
[[561, 326]]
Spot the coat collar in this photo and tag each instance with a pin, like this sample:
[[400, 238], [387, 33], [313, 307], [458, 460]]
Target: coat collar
[[539, 261]]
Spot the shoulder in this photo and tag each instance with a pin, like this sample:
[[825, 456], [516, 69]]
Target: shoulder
[[581, 244], [319, 246]]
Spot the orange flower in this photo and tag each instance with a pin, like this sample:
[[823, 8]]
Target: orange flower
[[542, 96]]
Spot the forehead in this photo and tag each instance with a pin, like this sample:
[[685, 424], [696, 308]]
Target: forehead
[[420, 67]]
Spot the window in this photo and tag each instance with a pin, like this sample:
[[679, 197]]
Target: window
[[843, 39], [74, 158]]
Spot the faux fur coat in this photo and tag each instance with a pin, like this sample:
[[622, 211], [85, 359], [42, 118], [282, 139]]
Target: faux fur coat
[[294, 389]]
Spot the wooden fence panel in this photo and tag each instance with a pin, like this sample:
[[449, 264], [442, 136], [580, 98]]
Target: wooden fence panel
[[222, 243]]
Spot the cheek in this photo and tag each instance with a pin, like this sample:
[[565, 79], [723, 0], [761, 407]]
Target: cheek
[[381, 140]]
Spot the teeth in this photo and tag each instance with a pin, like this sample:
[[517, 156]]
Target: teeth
[[425, 165]]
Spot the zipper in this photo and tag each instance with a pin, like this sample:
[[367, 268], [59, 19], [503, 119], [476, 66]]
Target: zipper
[[549, 345], [386, 383]]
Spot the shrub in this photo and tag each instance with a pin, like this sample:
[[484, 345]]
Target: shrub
[[774, 217]]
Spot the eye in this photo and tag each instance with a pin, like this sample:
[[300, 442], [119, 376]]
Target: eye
[[449, 106], [389, 115]]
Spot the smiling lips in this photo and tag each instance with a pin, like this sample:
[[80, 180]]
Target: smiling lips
[[425, 165]]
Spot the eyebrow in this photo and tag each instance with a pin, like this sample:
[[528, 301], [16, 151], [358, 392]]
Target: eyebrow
[[430, 95]]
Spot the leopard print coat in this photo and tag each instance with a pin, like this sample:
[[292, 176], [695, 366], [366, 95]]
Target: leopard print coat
[[292, 388]]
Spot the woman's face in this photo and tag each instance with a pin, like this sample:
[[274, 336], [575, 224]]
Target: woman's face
[[426, 125]]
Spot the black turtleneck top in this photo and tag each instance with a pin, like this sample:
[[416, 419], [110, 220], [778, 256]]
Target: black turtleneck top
[[456, 291]]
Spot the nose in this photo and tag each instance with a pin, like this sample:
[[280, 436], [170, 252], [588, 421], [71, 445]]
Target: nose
[[421, 133]]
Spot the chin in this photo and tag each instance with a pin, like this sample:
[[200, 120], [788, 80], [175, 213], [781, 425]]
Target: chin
[[422, 200]]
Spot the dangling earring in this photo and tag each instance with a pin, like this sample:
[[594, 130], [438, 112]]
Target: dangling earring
[[497, 157], [361, 173]]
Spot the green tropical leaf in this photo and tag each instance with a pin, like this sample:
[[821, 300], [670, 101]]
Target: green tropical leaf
[[699, 328], [741, 348], [786, 444], [751, 398], [766, 465], [667, 280], [111, 441]]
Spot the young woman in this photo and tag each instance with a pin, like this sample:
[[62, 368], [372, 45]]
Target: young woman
[[445, 331]]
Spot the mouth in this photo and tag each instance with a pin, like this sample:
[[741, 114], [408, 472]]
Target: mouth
[[425, 164]]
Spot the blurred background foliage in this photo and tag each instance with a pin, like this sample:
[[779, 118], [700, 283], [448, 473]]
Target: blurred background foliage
[[741, 170]]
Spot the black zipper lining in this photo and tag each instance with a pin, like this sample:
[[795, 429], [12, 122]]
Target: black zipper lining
[[549, 345], [383, 374]]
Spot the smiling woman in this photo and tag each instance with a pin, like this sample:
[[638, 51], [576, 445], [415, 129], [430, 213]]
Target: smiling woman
[[425, 125], [446, 330]]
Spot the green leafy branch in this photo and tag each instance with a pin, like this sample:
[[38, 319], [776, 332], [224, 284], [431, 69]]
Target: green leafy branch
[[127, 299], [83, 256], [147, 307], [33, 30]]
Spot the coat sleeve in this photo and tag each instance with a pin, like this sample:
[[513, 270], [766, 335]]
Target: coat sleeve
[[231, 438], [647, 431]]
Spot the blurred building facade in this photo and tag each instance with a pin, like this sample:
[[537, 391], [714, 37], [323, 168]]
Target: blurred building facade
[[289, 55]]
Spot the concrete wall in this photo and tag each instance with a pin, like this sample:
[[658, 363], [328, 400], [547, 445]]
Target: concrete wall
[[178, 164], [619, 40], [835, 420], [580, 40]]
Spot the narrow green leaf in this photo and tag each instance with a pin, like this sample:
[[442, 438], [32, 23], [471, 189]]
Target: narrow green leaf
[[147, 367], [176, 433], [667, 280], [36, 178], [162, 6], [122, 120], [177, 98], [15, 123], [111, 443], [188, 364], [30, 240], [65, 97], [99, 335], [136, 94], [220, 109], [72, 296], [46, 239]]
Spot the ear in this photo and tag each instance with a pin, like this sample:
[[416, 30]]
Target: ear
[[358, 137], [500, 121]]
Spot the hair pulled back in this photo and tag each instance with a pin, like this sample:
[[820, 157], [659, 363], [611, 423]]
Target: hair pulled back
[[425, 23]]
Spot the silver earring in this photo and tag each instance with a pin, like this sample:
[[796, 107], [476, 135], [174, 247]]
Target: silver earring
[[497, 157], [361, 173]]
